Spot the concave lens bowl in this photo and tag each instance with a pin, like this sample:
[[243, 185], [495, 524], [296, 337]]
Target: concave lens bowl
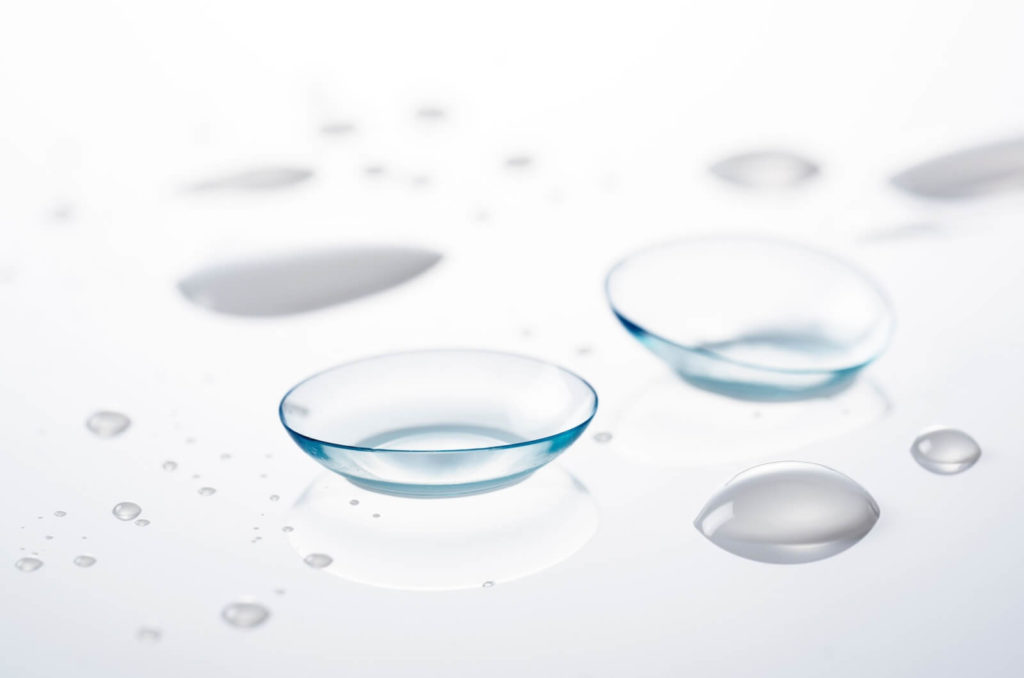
[[752, 317], [438, 423]]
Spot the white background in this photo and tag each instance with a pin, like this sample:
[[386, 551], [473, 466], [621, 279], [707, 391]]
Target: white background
[[108, 108]]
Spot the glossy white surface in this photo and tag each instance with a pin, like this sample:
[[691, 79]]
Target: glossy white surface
[[110, 111]]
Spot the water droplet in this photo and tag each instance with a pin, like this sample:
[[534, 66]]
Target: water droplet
[[290, 283], [142, 522], [107, 424], [376, 515], [274, 497], [28, 564], [127, 510], [374, 171], [788, 512], [148, 634], [195, 476], [765, 169], [225, 456], [337, 129], [287, 528], [518, 162], [968, 173], [430, 113], [318, 560], [354, 502], [279, 592], [170, 465], [84, 561], [49, 537], [602, 437], [245, 615], [207, 491], [945, 450], [258, 179], [488, 584], [59, 514]]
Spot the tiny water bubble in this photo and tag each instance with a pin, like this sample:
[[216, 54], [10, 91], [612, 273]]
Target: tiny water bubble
[[127, 510], [59, 514], [206, 491], [244, 615], [945, 450], [28, 564], [107, 424], [354, 502], [170, 465], [318, 560], [142, 522], [84, 561]]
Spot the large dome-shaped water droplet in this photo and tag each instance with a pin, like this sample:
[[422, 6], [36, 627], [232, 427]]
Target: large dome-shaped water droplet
[[945, 450], [788, 512], [28, 564]]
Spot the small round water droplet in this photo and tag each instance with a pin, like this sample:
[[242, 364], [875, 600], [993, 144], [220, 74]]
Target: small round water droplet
[[127, 510], [142, 522], [107, 424], [207, 491], [170, 465], [945, 450], [602, 437], [28, 564], [48, 537], [354, 502], [488, 584], [84, 561], [318, 560], [274, 497], [788, 512], [245, 615], [59, 514], [287, 528], [376, 515], [148, 634], [225, 456]]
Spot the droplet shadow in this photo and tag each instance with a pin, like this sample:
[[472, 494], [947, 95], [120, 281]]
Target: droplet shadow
[[672, 423], [443, 544]]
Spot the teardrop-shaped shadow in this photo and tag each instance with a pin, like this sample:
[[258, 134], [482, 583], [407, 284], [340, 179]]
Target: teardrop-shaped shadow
[[303, 281], [968, 173], [443, 544], [672, 423], [254, 180]]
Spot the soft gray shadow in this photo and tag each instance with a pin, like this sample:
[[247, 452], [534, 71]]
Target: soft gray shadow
[[769, 169], [442, 544], [303, 281], [671, 423], [968, 173], [256, 179]]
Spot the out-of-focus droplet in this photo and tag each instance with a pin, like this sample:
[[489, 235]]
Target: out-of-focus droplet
[[84, 561], [969, 173], [207, 491], [318, 560], [788, 512], [765, 170], [945, 450], [256, 179], [148, 634], [170, 465], [106, 424], [142, 522], [28, 564], [304, 281], [245, 615], [59, 514], [602, 437]]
